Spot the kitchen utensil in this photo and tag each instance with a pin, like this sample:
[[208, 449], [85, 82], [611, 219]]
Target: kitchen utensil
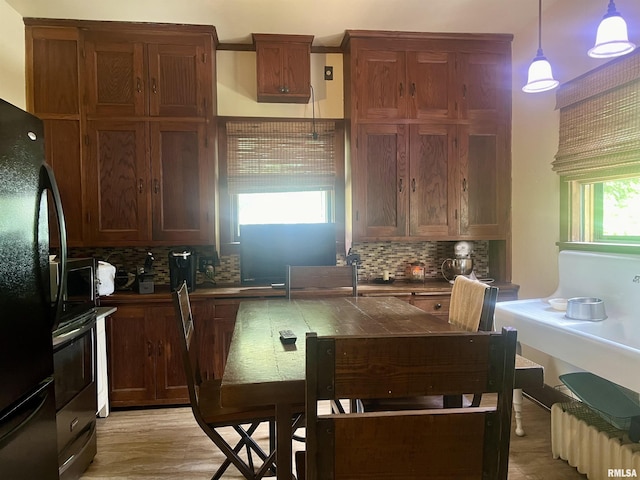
[[586, 308]]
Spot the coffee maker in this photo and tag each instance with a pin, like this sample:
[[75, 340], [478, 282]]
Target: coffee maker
[[461, 264], [182, 267]]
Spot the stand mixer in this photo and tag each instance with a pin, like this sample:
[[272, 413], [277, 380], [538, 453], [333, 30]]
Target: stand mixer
[[462, 264]]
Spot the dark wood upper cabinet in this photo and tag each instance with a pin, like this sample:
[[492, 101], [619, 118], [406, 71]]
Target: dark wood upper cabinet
[[118, 181], [283, 64], [128, 111], [128, 77], [53, 85], [429, 135]]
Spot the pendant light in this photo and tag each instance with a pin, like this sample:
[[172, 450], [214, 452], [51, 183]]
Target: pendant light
[[540, 77], [612, 39]]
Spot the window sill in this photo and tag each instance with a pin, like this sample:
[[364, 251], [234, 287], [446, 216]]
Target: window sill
[[600, 247]]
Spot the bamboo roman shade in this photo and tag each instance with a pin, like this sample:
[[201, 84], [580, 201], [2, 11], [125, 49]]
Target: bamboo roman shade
[[280, 156], [600, 122]]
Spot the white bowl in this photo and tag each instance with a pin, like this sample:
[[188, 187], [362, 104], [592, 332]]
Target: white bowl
[[558, 303]]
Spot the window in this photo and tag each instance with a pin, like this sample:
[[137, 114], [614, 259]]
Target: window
[[598, 158], [607, 211], [280, 171]]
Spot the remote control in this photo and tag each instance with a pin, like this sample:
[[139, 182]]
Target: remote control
[[287, 337]]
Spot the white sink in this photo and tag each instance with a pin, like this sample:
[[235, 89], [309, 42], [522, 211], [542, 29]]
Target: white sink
[[609, 348]]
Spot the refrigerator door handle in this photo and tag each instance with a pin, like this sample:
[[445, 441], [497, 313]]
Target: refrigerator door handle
[[51, 185], [17, 418]]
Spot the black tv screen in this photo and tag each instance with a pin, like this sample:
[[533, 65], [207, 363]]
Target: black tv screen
[[266, 250]]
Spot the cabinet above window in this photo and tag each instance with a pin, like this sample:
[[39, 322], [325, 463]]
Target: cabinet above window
[[283, 65]]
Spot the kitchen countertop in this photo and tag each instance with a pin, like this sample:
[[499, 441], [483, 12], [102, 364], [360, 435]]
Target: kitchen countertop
[[162, 292]]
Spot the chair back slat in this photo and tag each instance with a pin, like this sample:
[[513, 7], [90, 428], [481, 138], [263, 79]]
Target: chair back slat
[[298, 277]]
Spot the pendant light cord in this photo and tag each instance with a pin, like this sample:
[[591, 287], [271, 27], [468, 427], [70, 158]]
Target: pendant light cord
[[539, 27]]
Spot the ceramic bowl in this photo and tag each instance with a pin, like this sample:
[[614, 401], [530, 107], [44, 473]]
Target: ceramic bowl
[[558, 304]]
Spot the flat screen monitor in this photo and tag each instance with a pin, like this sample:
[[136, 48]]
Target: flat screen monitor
[[266, 250]]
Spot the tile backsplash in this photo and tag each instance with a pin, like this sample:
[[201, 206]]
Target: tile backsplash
[[375, 258]]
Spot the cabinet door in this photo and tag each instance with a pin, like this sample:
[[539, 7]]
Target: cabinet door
[[485, 179], [177, 80], [131, 358], [382, 91], [62, 149], [432, 202], [485, 86], [52, 80], [115, 81], [283, 69], [431, 84], [170, 379], [181, 183], [381, 183], [118, 183]]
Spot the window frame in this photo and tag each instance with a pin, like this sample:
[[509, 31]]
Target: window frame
[[227, 207], [576, 234]]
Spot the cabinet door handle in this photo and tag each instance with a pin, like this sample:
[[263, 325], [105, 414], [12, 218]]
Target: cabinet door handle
[[401, 90], [138, 84], [149, 349], [437, 306], [154, 86], [140, 185], [464, 184], [400, 186], [160, 349], [413, 184], [413, 89], [464, 90], [156, 186]]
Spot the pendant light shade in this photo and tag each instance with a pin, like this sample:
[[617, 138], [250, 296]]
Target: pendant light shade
[[540, 78], [612, 39]]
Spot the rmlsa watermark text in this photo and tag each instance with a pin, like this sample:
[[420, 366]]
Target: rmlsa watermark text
[[622, 473]]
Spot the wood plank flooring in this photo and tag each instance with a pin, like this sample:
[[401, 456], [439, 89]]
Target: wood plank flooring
[[157, 444]]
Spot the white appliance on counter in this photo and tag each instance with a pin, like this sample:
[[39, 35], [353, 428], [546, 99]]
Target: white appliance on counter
[[609, 348]]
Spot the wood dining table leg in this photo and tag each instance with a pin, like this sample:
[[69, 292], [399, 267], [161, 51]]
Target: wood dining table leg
[[284, 470]]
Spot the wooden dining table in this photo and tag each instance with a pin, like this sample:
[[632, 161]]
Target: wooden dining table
[[261, 370]]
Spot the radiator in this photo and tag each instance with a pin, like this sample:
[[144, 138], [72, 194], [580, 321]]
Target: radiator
[[596, 448]]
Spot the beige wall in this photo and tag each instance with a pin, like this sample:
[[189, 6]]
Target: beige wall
[[12, 86], [237, 88], [569, 30]]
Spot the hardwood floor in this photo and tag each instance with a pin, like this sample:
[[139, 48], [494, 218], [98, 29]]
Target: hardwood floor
[[156, 444]]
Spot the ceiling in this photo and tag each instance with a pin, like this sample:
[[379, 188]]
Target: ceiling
[[327, 20]]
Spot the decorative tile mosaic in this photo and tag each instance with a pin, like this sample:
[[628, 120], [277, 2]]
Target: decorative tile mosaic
[[375, 258]]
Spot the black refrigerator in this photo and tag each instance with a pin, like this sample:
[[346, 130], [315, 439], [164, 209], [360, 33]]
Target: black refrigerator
[[28, 192]]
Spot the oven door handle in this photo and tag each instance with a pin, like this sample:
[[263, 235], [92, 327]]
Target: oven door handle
[[66, 337]]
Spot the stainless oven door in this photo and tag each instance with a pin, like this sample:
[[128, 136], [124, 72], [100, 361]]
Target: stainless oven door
[[74, 359]]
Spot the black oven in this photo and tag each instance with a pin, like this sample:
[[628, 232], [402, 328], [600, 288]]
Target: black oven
[[74, 372]]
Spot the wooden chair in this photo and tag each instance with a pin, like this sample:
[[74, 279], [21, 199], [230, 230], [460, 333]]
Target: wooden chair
[[459, 443], [322, 277], [472, 309], [210, 414]]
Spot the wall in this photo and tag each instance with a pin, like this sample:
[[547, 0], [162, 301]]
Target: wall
[[12, 76], [569, 30]]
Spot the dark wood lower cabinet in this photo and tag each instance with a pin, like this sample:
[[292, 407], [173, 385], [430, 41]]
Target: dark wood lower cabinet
[[144, 356], [145, 364]]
